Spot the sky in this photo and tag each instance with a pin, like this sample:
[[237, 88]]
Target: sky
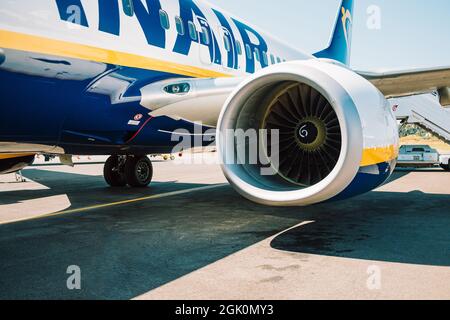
[[409, 33]]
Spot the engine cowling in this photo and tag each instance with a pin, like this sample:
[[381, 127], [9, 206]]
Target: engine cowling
[[337, 136]]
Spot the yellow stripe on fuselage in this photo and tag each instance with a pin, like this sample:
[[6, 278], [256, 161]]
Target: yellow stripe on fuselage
[[30, 43], [4, 156], [42, 45], [372, 156]]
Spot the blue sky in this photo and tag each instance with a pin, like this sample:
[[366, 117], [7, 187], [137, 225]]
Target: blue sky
[[413, 33]]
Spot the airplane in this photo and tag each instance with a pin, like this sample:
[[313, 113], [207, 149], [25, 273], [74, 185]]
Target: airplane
[[122, 77]]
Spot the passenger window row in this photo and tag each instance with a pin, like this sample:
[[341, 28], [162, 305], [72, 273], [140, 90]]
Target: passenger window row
[[206, 40]]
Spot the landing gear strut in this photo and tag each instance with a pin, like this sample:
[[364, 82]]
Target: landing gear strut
[[133, 170]]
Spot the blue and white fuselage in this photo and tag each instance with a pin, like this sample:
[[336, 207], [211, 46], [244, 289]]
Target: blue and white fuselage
[[72, 71]]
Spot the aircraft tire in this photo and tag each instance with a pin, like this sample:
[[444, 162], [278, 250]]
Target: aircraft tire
[[112, 175], [138, 171]]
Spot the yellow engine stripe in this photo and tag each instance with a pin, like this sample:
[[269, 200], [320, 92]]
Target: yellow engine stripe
[[14, 155], [373, 156], [30, 43]]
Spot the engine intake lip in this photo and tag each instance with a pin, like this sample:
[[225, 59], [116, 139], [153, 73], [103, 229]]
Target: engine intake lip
[[243, 106]]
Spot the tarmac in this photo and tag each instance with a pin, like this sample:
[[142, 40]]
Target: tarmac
[[191, 236]]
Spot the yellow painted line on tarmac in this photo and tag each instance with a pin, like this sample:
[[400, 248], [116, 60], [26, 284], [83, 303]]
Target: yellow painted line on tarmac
[[118, 203]]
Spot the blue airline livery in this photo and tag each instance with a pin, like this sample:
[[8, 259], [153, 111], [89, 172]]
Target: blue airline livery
[[123, 77]]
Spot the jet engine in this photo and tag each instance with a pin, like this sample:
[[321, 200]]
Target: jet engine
[[322, 132]]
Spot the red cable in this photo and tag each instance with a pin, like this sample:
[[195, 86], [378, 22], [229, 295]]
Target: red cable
[[140, 129]]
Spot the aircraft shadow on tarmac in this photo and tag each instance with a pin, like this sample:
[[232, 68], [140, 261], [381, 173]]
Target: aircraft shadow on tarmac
[[125, 251], [411, 228], [79, 188]]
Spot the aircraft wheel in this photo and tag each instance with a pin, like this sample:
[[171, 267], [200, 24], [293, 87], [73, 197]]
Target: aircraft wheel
[[446, 167], [138, 171], [113, 174]]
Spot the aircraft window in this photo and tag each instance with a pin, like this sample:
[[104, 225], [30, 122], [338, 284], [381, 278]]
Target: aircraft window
[[257, 54], [249, 52], [180, 25], [272, 59], [192, 31], [128, 7], [227, 43], [164, 19], [265, 59], [205, 36], [238, 47]]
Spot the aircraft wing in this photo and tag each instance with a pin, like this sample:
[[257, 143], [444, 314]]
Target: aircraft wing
[[411, 82]]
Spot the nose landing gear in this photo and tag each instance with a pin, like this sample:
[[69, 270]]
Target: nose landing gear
[[133, 170]]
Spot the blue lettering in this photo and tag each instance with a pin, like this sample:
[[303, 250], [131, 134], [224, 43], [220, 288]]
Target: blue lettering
[[261, 46], [183, 43], [233, 61], [149, 21], [109, 17]]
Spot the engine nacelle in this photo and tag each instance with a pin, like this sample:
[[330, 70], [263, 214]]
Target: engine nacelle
[[337, 136]]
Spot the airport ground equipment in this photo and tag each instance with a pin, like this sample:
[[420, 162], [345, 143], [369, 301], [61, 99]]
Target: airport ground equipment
[[424, 111]]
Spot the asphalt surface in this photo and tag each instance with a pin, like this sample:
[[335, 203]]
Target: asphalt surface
[[190, 236]]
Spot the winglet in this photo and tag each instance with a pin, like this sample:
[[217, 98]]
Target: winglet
[[340, 43]]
